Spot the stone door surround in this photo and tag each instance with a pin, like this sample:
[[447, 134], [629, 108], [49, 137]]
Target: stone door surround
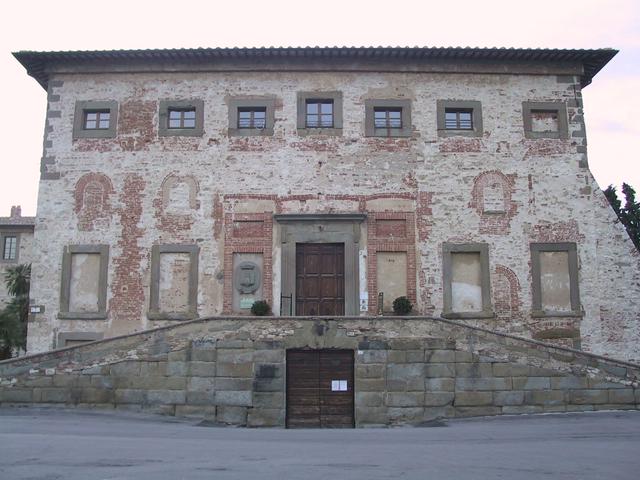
[[322, 228]]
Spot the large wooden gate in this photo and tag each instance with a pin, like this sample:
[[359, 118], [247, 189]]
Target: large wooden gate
[[320, 279], [320, 389]]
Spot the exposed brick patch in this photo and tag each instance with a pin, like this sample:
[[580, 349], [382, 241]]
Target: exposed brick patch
[[255, 144], [136, 125], [396, 235], [545, 146], [424, 215], [235, 241], [507, 301], [92, 205], [167, 218], [218, 216], [557, 232], [615, 326], [389, 144], [460, 145], [128, 299], [491, 197]]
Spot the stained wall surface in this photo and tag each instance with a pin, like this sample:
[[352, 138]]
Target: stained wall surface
[[220, 192]]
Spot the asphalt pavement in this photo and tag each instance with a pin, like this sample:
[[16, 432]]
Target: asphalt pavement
[[39, 444]]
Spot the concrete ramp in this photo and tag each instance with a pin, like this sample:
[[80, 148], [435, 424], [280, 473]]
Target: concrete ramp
[[407, 370]]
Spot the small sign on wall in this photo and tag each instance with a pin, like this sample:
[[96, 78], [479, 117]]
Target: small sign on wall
[[246, 302], [338, 385]]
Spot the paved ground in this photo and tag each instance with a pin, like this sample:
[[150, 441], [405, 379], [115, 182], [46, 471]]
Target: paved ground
[[54, 444]]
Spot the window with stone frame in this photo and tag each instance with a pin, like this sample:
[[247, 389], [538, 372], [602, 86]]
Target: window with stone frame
[[554, 274], [319, 113], [181, 118], [251, 116], [459, 118], [545, 119], [95, 119], [10, 247], [466, 281], [387, 118], [83, 293]]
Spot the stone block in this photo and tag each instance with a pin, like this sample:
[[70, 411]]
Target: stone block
[[224, 369], [179, 356], [234, 343], [405, 415], [434, 413], [438, 399], [96, 370], [512, 397], [615, 406], [545, 372], [397, 356], [177, 368], [270, 345], [522, 409], [531, 383], [566, 383], [371, 356], [373, 345], [440, 356], [237, 355], [203, 355], [480, 384], [478, 411], [268, 385], [37, 382], [64, 381], [269, 356], [370, 385], [439, 344], [230, 383], [166, 397], [616, 370], [545, 397], [96, 395], [202, 397], [130, 396], [415, 356], [434, 370], [269, 370], [372, 416], [439, 384], [196, 411], [153, 368], [202, 369], [269, 400], [599, 383], [55, 395], [370, 371], [369, 399], [510, 370], [410, 384], [580, 408], [637, 394], [588, 397], [406, 399], [125, 369], [201, 384], [472, 399], [475, 369], [233, 398], [263, 417], [405, 344], [405, 372], [621, 396], [231, 415], [16, 395], [462, 356], [554, 408]]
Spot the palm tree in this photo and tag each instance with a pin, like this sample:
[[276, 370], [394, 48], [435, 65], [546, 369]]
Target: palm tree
[[13, 318]]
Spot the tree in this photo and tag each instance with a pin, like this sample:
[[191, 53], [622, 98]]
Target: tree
[[13, 318], [629, 215]]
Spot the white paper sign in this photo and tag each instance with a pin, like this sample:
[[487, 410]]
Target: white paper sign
[[338, 385]]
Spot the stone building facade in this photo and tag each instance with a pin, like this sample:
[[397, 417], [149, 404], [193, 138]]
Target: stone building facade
[[16, 245], [188, 183]]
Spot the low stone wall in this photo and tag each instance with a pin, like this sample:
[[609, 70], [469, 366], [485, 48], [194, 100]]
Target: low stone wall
[[407, 371]]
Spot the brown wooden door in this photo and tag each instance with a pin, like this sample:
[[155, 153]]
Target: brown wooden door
[[320, 389], [320, 279]]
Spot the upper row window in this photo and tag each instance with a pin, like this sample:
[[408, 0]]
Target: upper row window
[[9, 247], [321, 113]]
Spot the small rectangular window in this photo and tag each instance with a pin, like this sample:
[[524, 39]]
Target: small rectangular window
[[319, 113], [182, 118], [9, 250], [458, 119], [97, 119], [252, 117], [387, 117]]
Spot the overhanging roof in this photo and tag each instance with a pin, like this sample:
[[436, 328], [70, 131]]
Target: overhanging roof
[[40, 64]]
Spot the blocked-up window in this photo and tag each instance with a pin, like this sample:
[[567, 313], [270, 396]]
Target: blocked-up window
[[555, 279], [84, 282], [174, 282], [466, 285], [545, 119]]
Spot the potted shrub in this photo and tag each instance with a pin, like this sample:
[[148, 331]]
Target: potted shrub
[[260, 308], [402, 306]]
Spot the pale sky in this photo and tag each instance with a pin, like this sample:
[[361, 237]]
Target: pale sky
[[612, 101]]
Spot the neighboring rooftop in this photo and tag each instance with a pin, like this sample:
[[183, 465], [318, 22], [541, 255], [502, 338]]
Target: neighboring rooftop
[[40, 65], [16, 218]]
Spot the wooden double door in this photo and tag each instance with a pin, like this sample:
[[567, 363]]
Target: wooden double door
[[320, 279], [320, 389]]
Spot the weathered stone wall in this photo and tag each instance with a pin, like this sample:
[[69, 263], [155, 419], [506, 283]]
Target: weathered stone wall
[[218, 191], [407, 371]]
